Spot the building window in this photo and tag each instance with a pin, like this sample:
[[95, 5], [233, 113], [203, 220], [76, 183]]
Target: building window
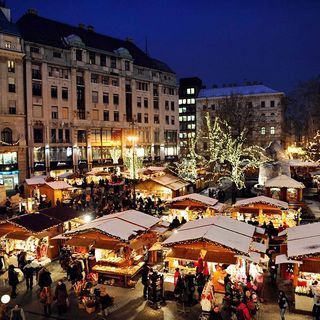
[[95, 97], [65, 94], [7, 44], [116, 116], [6, 135], [82, 136], [167, 119], [56, 54], [103, 60], [105, 80], [156, 104], [106, 115], [272, 130], [156, 119], [115, 82], [105, 98], [38, 135], [143, 86], [36, 89], [262, 104], [60, 135], [54, 112], [272, 103], [11, 85], [79, 55], [146, 118], [36, 72], [54, 92], [190, 91], [113, 62], [263, 130], [67, 135], [172, 120], [139, 118], [92, 57], [12, 107], [53, 135], [172, 105], [11, 66], [139, 102], [145, 102], [34, 50], [115, 99], [94, 78], [166, 104], [127, 65]]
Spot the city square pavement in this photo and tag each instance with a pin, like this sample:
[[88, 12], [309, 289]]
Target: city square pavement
[[129, 304]]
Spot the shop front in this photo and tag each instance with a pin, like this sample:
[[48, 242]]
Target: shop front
[[9, 172], [54, 191], [60, 160]]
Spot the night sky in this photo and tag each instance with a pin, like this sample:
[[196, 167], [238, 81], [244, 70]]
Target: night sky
[[227, 41]]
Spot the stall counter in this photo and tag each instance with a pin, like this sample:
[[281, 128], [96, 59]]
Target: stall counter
[[303, 302]]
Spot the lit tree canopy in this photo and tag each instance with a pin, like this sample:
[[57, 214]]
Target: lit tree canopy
[[115, 154], [312, 150], [133, 162]]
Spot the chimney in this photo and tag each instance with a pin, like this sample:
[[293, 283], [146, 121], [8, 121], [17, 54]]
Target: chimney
[[128, 39], [90, 28], [33, 11], [81, 25]]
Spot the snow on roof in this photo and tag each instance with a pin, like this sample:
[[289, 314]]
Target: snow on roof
[[262, 199], [228, 232], [300, 163], [123, 225], [170, 181], [257, 246], [282, 258], [284, 181], [240, 90], [58, 185], [210, 202], [36, 180], [303, 240]]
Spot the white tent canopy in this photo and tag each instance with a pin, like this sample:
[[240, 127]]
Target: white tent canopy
[[284, 181], [262, 199], [122, 225]]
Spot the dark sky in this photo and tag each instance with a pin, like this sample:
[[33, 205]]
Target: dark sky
[[226, 41]]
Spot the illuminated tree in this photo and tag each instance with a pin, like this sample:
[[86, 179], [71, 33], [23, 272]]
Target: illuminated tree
[[115, 154], [133, 162], [312, 150]]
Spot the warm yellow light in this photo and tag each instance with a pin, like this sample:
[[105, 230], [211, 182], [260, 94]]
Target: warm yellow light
[[132, 138], [293, 149]]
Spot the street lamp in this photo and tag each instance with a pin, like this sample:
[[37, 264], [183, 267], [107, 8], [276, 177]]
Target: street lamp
[[133, 139]]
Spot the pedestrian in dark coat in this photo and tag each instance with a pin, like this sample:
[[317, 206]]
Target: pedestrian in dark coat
[[28, 274], [44, 278], [13, 280], [144, 280], [61, 295], [46, 299]]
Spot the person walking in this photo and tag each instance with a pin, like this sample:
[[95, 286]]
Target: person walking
[[61, 296], [17, 313], [46, 299], [28, 273], [283, 304], [44, 278], [144, 280], [13, 280]]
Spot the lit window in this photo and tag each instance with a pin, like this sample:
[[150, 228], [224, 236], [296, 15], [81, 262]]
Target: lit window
[[184, 101], [180, 101], [272, 130], [190, 91], [263, 130], [7, 44]]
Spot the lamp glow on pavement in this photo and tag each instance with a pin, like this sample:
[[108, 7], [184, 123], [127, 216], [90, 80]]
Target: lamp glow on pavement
[[5, 299]]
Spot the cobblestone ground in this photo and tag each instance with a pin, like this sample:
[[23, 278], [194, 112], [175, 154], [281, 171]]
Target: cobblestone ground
[[129, 305]]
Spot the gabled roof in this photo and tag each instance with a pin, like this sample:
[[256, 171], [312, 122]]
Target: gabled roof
[[58, 185], [241, 90], [170, 181], [52, 33], [262, 199], [36, 180], [62, 213], [196, 197], [7, 26], [283, 181]]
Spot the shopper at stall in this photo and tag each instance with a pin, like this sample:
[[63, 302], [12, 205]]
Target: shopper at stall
[[201, 281], [316, 301], [13, 280], [242, 311], [28, 274], [283, 304], [176, 276], [189, 285], [44, 278], [215, 314], [226, 307], [46, 299], [61, 296], [144, 280], [17, 313]]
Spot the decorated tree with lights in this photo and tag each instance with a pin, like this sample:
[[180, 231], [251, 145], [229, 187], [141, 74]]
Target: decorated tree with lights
[[312, 150], [133, 163], [115, 154]]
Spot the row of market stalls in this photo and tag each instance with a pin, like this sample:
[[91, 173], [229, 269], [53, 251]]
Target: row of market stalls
[[34, 233], [301, 250]]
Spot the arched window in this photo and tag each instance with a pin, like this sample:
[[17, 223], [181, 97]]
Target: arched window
[[6, 135]]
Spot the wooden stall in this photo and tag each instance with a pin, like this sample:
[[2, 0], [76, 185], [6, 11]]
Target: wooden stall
[[192, 206], [286, 189], [55, 190], [121, 241]]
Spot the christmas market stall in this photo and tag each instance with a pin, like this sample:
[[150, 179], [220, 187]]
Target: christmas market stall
[[54, 191], [216, 246], [191, 206], [33, 184], [164, 187], [286, 189], [264, 209], [302, 253], [120, 242]]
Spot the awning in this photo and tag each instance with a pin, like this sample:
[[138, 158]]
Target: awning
[[220, 257], [282, 258], [184, 253]]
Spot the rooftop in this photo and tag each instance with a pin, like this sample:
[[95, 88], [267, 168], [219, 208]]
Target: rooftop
[[7, 26]]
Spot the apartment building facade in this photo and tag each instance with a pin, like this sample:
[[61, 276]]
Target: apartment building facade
[[86, 93], [13, 161]]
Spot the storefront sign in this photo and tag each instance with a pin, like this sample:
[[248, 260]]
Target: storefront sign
[[100, 162], [39, 166], [9, 167], [83, 164], [57, 165]]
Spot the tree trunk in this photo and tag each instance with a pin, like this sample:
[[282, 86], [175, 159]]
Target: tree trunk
[[234, 193]]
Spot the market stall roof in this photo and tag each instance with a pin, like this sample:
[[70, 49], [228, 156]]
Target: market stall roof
[[58, 185], [121, 225], [170, 181], [300, 163], [35, 222], [283, 181], [198, 199], [225, 231], [262, 199], [62, 213], [282, 258], [36, 180], [303, 240]]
